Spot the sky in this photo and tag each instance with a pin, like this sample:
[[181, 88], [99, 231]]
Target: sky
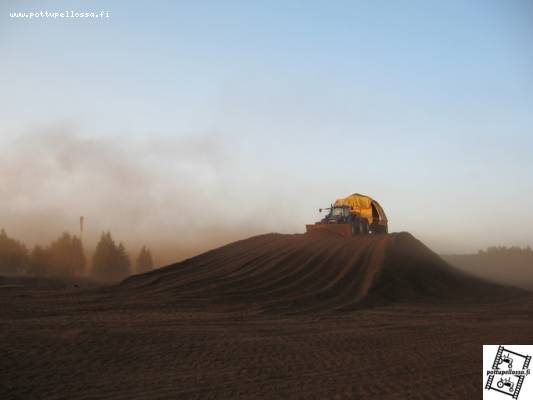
[[186, 125]]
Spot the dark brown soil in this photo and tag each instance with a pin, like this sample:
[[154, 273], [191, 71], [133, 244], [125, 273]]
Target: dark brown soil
[[274, 316]]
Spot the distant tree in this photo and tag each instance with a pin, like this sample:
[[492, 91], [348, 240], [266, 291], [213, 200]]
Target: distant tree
[[65, 256], [39, 263], [13, 255], [144, 261], [123, 263], [110, 261]]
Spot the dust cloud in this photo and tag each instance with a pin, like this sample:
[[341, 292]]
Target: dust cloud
[[179, 196]]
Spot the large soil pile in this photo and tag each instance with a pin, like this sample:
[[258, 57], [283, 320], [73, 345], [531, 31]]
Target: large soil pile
[[263, 319], [300, 273]]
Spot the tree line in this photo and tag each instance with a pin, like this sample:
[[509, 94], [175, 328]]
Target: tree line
[[504, 256], [507, 265], [65, 257], [504, 250]]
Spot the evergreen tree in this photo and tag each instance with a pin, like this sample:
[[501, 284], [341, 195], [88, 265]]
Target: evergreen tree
[[144, 261], [39, 263], [110, 262], [65, 256], [13, 255]]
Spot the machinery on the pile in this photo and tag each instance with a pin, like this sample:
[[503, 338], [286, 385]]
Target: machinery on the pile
[[356, 214]]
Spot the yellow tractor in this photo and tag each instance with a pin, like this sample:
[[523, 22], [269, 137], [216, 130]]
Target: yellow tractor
[[356, 214]]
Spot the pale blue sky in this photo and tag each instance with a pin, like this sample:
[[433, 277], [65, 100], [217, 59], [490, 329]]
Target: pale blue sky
[[300, 102]]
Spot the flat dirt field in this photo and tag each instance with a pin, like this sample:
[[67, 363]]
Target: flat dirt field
[[271, 317]]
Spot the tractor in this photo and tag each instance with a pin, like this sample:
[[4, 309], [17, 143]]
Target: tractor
[[506, 382], [506, 359], [356, 214]]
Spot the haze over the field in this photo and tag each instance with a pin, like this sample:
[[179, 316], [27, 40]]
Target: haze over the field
[[184, 126]]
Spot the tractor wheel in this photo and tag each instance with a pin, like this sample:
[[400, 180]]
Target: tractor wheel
[[499, 384], [357, 227], [364, 227]]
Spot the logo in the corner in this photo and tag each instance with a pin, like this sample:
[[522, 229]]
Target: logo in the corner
[[510, 368]]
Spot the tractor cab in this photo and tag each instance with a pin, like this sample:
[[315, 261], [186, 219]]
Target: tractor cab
[[337, 214]]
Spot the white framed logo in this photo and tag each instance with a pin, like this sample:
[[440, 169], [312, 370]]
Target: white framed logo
[[506, 372]]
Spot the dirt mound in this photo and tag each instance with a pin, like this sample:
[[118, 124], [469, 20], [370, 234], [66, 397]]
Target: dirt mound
[[300, 273]]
